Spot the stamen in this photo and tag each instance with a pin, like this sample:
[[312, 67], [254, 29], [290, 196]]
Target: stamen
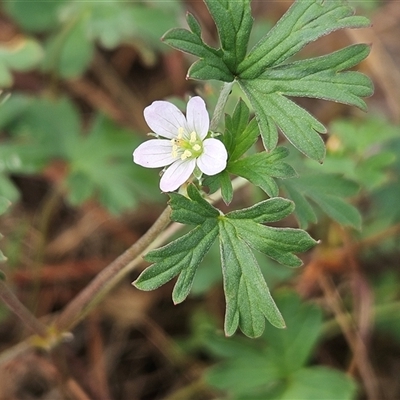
[[193, 137], [174, 151], [180, 132], [196, 147], [186, 154], [174, 148]]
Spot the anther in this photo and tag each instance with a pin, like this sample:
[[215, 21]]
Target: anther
[[186, 154]]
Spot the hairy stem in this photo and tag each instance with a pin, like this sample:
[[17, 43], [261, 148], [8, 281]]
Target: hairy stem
[[13, 303], [82, 303], [221, 103]]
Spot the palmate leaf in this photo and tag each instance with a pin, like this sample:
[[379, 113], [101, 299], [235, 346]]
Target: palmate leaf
[[304, 22], [248, 301], [264, 74], [319, 77]]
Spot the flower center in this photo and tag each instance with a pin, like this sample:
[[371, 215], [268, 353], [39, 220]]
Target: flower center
[[184, 148]]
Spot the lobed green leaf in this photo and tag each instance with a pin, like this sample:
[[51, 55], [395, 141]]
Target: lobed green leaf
[[261, 168], [182, 256], [319, 77], [221, 181], [234, 22], [193, 210], [273, 109], [277, 243], [239, 134], [265, 76], [304, 22], [248, 300], [210, 65], [270, 210]]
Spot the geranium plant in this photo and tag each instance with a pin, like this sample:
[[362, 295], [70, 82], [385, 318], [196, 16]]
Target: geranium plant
[[200, 158]]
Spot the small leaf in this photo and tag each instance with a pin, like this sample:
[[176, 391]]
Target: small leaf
[[320, 383], [223, 181], [234, 22], [277, 243], [273, 109], [304, 212], [34, 16], [291, 349], [210, 65], [240, 134], [261, 168], [339, 210], [193, 211], [270, 210], [182, 256]]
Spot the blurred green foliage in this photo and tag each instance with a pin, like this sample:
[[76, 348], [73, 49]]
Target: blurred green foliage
[[41, 129], [277, 365], [73, 28], [98, 161], [21, 55]]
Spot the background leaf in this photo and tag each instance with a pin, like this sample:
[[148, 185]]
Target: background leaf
[[327, 191], [22, 54], [275, 367]]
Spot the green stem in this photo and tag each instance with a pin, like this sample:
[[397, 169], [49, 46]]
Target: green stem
[[221, 103], [13, 303]]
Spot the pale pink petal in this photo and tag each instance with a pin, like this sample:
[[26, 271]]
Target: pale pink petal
[[197, 117], [154, 153], [213, 159], [177, 174], [164, 119]]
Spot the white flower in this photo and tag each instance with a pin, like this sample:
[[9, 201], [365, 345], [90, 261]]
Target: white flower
[[185, 146]]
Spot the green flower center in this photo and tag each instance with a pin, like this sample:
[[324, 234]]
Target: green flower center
[[184, 148]]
